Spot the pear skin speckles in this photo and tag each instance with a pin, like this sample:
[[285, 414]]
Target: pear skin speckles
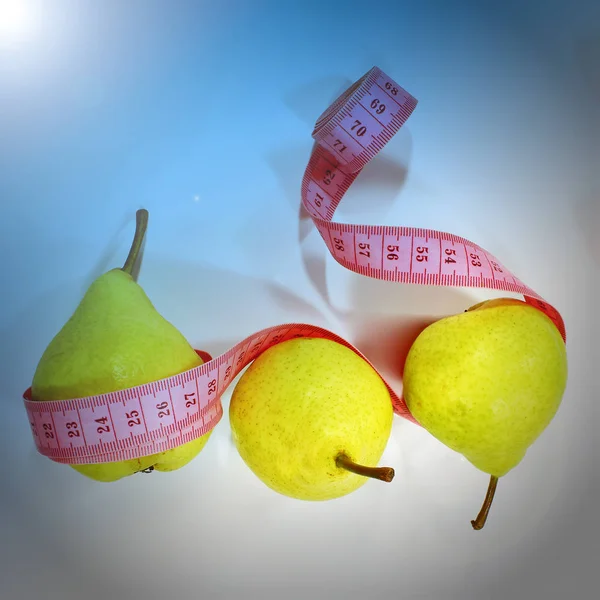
[[301, 403], [487, 383]]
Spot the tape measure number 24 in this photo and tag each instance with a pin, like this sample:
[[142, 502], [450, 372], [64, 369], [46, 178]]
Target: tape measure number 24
[[164, 414]]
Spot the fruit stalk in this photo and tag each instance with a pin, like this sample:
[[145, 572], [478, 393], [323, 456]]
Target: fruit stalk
[[479, 522], [382, 473], [141, 223]]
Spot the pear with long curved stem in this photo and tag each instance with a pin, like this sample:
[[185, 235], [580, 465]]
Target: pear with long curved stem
[[114, 340], [486, 383]]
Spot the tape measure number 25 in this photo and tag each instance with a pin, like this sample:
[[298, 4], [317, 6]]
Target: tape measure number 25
[[164, 414]]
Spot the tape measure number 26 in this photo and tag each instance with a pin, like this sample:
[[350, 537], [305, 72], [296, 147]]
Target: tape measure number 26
[[164, 414]]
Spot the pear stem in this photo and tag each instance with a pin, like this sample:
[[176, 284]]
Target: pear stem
[[479, 522], [382, 473], [141, 223]]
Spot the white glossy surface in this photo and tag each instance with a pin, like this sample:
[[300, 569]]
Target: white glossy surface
[[110, 109]]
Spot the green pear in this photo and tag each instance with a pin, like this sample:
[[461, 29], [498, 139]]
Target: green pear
[[310, 418], [486, 383], [114, 340]]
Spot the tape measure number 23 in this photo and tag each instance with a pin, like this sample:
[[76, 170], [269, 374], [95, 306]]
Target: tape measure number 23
[[164, 414]]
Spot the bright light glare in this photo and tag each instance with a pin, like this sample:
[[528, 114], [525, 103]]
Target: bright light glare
[[17, 20]]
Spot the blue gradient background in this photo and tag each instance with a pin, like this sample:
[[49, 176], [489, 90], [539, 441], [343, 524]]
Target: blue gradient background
[[202, 113]]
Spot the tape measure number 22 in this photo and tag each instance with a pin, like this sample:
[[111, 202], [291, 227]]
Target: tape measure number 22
[[164, 414]]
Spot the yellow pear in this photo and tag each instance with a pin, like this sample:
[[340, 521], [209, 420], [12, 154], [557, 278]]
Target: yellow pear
[[486, 383], [114, 340], [311, 419]]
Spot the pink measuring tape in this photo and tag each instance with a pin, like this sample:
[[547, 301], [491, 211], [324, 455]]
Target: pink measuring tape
[[164, 414]]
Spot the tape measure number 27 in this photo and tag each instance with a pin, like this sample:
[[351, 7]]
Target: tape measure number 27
[[164, 414]]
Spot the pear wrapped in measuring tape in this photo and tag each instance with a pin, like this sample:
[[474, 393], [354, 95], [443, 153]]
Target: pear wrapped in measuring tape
[[114, 340], [487, 383]]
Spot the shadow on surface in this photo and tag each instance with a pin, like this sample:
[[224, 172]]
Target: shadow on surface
[[310, 100]]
